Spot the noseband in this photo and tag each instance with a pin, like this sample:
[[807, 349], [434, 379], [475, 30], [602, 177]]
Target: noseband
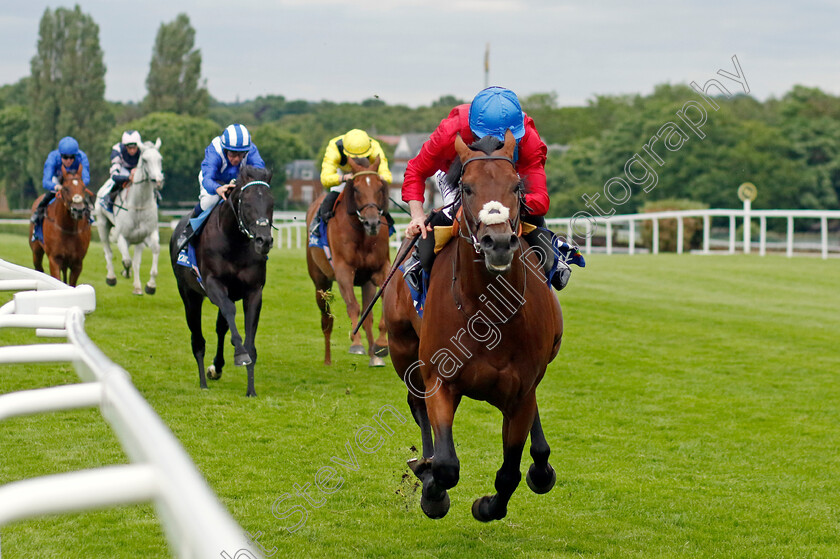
[[237, 211], [471, 238]]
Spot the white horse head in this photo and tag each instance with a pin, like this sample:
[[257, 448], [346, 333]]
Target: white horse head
[[150, 166]]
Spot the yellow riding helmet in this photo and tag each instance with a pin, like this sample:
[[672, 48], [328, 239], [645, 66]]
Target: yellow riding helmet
[[357, 143]]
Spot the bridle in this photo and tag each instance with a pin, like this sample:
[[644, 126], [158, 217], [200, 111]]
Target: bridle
[[369, 204], [515, 223], [237, 211]]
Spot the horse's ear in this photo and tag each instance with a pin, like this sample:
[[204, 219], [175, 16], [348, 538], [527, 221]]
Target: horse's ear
[[353, 165], [157, 143], [461, 148], [376, 163], [510, 145]]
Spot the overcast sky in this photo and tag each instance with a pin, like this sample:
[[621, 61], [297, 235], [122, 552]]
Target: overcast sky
[[413, 51]]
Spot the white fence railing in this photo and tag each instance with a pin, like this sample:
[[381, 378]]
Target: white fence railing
[[294, 234], [291, 230], [196, 524]]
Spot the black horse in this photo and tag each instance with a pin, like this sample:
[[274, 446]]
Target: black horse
[[231, 252]]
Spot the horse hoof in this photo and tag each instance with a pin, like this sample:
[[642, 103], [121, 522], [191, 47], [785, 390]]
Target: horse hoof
[[481, 510], [540, 485], [376, 362], [241, 359], [380, 350], [212, 374], [124, 273], [151, 290], [435, 509], [251, 394], [111, 281], [137, 291], [357, 350]]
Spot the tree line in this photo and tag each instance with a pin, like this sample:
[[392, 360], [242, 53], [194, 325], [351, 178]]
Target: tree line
[[788, 147]]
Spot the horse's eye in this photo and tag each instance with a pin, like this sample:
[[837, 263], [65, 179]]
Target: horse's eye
[[467, 190]]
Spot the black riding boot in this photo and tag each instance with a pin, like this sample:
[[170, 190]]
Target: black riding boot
[[187, 233], [41, 210], [543, 240], [324, 213]]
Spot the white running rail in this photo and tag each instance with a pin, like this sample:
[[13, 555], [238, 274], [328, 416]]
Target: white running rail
[[196, 524]]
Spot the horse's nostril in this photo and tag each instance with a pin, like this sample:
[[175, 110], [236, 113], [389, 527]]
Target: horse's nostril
[[514, 240]]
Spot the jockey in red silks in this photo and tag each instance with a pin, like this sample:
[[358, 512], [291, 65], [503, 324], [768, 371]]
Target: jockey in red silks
[[493, 111]]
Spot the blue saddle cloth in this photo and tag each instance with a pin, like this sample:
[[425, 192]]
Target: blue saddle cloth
[[187, 259]]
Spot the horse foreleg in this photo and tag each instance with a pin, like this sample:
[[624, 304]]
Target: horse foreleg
[[251, 307], [122, 245], [214, 371], [514, 434], [154, 245], [323, 295], [104, 227], [541, 476], [344, 276], [380, 346], [56, 267], [218, 294], [445, 467], [75, 270], [137, 257], [368, 293]]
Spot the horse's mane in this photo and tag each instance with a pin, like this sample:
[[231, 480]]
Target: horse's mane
[[249, 173]]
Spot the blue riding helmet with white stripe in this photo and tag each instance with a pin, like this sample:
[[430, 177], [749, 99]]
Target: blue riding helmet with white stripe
[[236, 138]]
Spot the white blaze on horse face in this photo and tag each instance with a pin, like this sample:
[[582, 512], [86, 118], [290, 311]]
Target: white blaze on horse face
[[77, 198], [493, 212]]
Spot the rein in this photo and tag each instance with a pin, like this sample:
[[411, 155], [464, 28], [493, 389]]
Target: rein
[[237, 211]]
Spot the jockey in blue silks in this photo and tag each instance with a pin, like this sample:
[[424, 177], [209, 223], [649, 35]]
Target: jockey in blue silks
[[222, 160], [68, 155]]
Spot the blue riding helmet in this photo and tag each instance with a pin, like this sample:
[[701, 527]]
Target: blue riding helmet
[[236, 138], [68, 146], [495, 110]]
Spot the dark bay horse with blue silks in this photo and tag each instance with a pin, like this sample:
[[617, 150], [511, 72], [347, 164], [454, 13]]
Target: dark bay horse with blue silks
[[66, 229], [358, 242], [490, 327], [230, 256]]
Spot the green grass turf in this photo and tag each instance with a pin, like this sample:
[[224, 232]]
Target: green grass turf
[[692, 412]]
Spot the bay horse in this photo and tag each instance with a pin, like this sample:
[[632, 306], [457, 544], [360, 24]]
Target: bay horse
[[66, 229], [231, 252], [134, 221], [358, 241], [490, 327]]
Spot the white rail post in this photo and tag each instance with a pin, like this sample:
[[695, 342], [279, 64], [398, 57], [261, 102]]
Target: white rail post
[[824, 236], [631, 245], [707, 226], [747, 240], [790, 236], [732, 228], [609, 237], [762, 236], [589, 233], [680, 234], [655, 245]]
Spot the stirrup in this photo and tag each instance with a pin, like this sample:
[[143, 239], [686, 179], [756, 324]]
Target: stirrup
[[412, 271], [561, 276]]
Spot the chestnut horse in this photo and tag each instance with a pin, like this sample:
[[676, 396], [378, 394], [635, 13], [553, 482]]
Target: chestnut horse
[[358, 241], [488, 332], [231, 251], [66, 229]]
